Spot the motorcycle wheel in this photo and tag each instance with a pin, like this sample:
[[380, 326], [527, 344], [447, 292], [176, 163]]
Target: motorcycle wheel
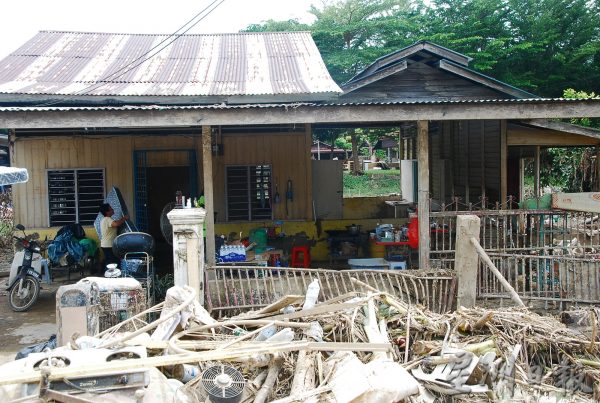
[[30, 291]]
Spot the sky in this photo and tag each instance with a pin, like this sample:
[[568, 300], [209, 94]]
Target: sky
[[22, 19]]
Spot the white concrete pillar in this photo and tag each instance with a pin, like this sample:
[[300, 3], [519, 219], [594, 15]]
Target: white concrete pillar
[[188, 248], [466, 259]]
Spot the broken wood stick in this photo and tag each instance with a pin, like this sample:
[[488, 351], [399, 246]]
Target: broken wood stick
[[267, 386], [486, 259]]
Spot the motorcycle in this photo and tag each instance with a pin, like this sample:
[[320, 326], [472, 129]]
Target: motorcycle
[[27, 271]]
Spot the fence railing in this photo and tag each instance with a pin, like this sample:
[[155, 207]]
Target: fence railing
[[233, 290], [522, 231], [558, 279]]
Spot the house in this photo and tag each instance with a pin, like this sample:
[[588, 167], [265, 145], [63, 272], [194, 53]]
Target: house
[[228, 113], [324, 151]]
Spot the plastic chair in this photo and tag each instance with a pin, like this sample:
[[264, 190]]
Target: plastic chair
[[305, 252]]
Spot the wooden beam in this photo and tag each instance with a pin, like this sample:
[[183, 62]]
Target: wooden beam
[[484, 80], [388, 71], [423, 197], [563, 127], [503, 164], [546, 138], [24, 118], [209, 204]]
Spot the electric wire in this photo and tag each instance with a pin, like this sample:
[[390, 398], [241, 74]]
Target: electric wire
[[142, 58]]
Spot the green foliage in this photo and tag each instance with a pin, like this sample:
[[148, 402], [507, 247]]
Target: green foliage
[[541, 46], [571, 169], [372, 183]]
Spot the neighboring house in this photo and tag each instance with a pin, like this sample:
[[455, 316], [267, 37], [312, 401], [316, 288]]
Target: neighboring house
[[235, 112], [323, 151]]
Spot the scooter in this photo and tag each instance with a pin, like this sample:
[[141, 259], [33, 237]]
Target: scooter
[[27, 271]]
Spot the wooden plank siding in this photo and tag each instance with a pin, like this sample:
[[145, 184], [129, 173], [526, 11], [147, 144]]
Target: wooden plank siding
[[288, 153], [289, 157], [467, 154], [422, 82]]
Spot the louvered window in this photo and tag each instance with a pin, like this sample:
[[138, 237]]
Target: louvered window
[[74, 195], [248, 193]]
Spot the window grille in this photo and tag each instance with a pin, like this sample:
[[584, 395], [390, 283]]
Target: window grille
[[74, 195], [248, 193]]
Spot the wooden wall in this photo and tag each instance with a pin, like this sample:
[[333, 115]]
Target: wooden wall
[[289, 157], [465, 160], [422, 82], [289, 154]]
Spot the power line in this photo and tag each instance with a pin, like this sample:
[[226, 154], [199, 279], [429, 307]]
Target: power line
[[144, 57]]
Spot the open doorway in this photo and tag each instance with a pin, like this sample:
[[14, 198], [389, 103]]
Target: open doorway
[[159, 174]]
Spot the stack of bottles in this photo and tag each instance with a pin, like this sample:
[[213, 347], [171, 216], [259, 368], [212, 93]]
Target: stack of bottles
[[232, 253]]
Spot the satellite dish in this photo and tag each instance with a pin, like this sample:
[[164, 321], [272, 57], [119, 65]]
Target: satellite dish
[[165, 225]]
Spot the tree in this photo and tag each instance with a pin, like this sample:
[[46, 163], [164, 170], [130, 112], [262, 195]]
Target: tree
[[572, 169], [351, 34]]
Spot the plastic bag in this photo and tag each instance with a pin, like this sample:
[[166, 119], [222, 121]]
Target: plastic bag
[[37, 348]]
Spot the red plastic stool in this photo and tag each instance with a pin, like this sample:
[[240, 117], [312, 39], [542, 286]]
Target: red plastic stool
[[305, 252]]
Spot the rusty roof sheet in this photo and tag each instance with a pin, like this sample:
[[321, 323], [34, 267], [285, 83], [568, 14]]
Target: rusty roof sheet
[[291, 105], [104, 64]]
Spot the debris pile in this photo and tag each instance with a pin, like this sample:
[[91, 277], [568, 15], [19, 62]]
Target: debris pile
[[358, 347]]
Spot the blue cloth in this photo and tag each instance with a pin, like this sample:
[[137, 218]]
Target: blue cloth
[[63, 244]]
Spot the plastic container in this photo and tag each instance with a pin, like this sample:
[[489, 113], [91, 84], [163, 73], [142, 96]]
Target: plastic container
[[397, 265], [369, 264], [259, 236]]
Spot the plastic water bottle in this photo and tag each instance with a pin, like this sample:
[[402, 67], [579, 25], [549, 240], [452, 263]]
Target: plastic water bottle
[[266, 333], [285, 335], [312, 294]]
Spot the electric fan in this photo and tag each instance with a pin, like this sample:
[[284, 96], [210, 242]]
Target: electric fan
[[223, 383], [165, 225]]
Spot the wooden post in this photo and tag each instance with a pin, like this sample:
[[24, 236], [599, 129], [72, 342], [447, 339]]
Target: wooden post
[[400, 158], [209, 204], [423, 197], [597, 184], [536, 182], [503, 165], [356, 168], [465, 263], [308, 173]]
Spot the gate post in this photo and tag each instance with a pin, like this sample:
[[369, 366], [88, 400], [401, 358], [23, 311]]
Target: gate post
[[188, 248], [466, 260]]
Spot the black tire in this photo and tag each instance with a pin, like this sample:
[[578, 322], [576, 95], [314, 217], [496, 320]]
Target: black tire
[[31, 287]]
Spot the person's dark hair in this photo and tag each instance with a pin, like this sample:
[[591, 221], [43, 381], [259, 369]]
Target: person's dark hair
[[104, 208]]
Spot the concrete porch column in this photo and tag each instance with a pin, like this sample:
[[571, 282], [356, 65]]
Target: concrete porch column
[[188, 248]]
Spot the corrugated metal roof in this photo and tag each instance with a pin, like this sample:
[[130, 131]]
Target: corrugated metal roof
[[289, 105], [265, 63]]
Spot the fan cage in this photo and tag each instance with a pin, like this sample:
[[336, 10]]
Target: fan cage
[[165, 225], [232, 390]]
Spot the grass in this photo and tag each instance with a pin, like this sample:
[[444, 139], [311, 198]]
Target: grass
[[377, 182]]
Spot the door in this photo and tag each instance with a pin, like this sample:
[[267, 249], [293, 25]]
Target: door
[[328, 191]]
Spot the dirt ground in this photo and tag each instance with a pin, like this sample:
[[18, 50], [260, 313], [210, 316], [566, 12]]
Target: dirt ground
[[22, 329]]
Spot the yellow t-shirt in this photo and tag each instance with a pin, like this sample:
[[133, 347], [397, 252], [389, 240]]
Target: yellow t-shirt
[[109, 233]]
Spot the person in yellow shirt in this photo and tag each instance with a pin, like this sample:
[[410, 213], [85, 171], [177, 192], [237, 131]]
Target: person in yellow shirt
[[108, 230]]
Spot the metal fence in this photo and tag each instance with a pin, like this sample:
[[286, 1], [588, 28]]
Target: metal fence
[[557, 281], [232, 290], [522, 231]]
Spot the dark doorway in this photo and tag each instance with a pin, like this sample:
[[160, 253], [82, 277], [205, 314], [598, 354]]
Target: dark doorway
[[162, 183]]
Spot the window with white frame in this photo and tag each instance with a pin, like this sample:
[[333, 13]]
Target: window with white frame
[[248, 190], [74, 195]]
